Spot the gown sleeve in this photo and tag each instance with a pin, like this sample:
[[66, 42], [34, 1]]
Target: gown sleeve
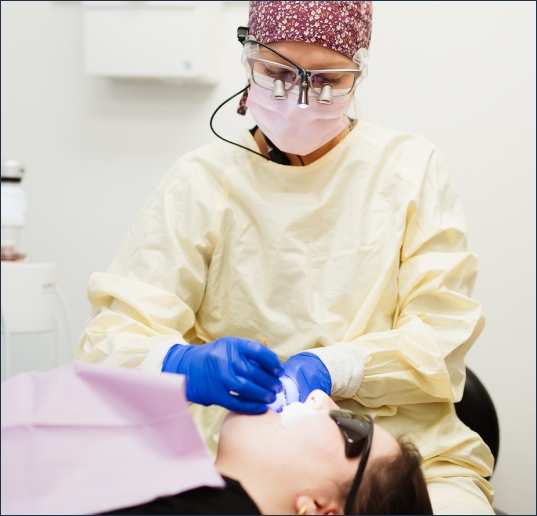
[[147, 300], [421, 359]]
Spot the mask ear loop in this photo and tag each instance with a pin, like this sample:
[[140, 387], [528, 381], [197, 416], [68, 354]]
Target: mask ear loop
[[354, 120]]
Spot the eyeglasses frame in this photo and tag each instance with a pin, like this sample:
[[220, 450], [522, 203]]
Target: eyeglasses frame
[[357, 73]]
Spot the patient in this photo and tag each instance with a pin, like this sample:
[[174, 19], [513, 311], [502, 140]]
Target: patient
[[87, 439], [295, 462]]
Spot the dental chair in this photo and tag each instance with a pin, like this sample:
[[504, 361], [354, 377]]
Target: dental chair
[[477, 411]]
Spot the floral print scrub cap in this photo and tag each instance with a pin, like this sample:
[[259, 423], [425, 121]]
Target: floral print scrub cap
[[342, 26]]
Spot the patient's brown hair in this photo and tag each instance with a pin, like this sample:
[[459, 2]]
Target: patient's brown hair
[[394, 485]]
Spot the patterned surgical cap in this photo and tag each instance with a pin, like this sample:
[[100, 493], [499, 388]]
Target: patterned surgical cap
[[341, 26]]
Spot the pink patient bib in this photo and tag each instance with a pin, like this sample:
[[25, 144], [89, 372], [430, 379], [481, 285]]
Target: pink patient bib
[[87, 438]]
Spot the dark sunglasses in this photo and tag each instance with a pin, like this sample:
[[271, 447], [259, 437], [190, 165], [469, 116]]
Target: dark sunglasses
[[358, 433]]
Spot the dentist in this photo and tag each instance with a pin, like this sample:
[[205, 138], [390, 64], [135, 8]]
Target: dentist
[[340, 242]]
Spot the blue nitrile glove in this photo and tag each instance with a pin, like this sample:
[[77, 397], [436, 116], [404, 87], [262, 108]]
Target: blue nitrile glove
[[303, 373], [238, 374]]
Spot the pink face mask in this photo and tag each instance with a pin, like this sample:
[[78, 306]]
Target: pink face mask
[[292, 129]]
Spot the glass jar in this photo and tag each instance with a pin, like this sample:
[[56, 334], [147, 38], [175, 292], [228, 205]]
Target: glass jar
[[13, 209]]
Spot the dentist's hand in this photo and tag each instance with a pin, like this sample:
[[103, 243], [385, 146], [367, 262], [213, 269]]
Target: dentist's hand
[[303, 373], [238, 374]]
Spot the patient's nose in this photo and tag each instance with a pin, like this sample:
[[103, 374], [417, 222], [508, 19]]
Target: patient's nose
[[321, 401]]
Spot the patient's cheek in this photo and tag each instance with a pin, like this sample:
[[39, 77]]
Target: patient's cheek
[[308, 433]]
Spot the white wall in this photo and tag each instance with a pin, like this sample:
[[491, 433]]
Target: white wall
[[461, 73]]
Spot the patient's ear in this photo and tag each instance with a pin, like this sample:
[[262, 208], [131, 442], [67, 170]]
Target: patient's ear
[[307, 504]]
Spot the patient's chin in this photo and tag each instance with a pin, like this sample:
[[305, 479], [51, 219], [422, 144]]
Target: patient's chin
[[235, 416], [231, 417], [237, 423]]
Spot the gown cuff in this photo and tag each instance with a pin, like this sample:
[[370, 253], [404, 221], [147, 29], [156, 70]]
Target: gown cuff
[[346, 364], [154, 359]]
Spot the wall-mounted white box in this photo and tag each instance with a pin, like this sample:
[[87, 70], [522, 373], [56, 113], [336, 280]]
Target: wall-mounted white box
[[170, 41]]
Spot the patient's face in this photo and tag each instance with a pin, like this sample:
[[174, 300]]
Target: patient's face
[[302, 436]]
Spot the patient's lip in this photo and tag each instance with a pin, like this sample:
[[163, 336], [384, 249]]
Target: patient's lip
[[292, 411], [293, 407], [297, 409]]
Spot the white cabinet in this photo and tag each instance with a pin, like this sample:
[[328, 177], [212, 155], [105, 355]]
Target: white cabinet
[[177, 42]]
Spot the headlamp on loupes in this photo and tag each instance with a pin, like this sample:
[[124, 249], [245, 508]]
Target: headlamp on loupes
[[274, 71]]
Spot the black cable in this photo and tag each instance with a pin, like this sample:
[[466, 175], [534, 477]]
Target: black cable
[[228, 141]]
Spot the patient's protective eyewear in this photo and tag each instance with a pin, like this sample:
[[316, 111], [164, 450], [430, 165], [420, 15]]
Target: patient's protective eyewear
[[357, 432]]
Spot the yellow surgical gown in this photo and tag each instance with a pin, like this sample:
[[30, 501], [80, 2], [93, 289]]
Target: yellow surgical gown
[[360, 257]]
